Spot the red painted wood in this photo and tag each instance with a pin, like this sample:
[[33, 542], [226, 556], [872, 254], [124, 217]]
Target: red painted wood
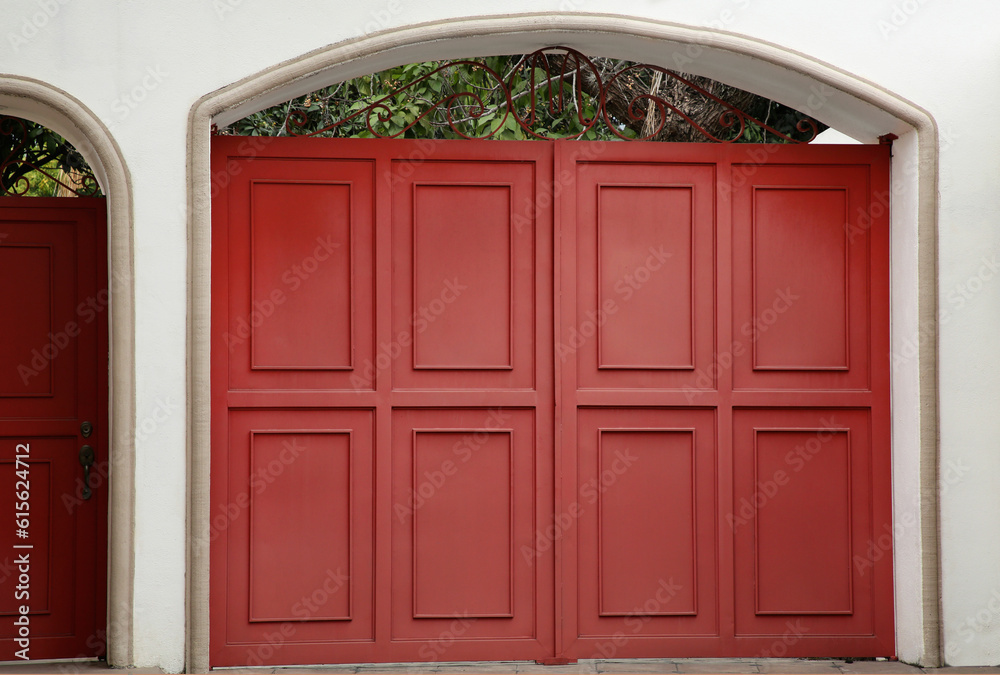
[[444, 363], [772, 316], [801, 278], [53, 376], [416, 361], [649, 574], [302, 311], [644, 315]]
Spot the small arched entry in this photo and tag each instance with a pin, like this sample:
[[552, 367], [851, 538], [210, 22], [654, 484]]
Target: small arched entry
[[53, 379], [89, 253]]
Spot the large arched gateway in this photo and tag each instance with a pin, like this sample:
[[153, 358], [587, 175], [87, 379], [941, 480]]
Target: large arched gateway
[[500, 557]]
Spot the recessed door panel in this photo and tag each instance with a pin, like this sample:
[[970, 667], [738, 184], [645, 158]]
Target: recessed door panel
[[802, 275], [463, 276], [646, 500], [301, 276], [463, 490], [802, 520], [298, 522], [644, 276]]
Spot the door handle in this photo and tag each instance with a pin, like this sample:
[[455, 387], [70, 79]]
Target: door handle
[[87, 461]]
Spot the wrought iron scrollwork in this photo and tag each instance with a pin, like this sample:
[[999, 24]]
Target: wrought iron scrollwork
[[15, 168], [560, 75]]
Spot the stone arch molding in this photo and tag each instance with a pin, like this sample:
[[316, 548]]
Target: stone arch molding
[[54, 108], [846, 102]]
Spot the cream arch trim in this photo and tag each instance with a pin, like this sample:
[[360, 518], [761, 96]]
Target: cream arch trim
[[856, 106], [45, 104]]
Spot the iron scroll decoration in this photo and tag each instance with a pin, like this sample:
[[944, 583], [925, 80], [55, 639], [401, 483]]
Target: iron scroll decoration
[[554, 70], [17, 129]]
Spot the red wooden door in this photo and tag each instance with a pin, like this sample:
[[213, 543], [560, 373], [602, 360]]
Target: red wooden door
[[383, 402], [53, 378], [439, 436], [725, 402]]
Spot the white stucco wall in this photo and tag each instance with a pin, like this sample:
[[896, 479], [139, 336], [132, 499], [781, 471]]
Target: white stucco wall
[[140, 67]]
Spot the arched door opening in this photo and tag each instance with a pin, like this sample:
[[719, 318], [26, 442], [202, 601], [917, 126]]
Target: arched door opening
[[67, 378], [842, 101], [55, 394]]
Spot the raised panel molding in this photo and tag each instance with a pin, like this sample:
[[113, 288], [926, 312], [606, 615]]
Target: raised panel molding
[[463, 531], [801, 285], [301, 301], [25, 370], [647, 521], [300, 513], [645, 268], [802, 536], [462, 276]]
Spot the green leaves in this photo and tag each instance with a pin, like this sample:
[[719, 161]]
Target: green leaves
[[34, 145], [437, 99], [431, 90]]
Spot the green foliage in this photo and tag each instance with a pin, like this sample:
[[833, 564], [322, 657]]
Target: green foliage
[[32, 156], [469, 98], [42, 183], [441, 101]]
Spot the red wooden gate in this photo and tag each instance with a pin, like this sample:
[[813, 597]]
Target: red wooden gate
[[53, 379], [501, 400]]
